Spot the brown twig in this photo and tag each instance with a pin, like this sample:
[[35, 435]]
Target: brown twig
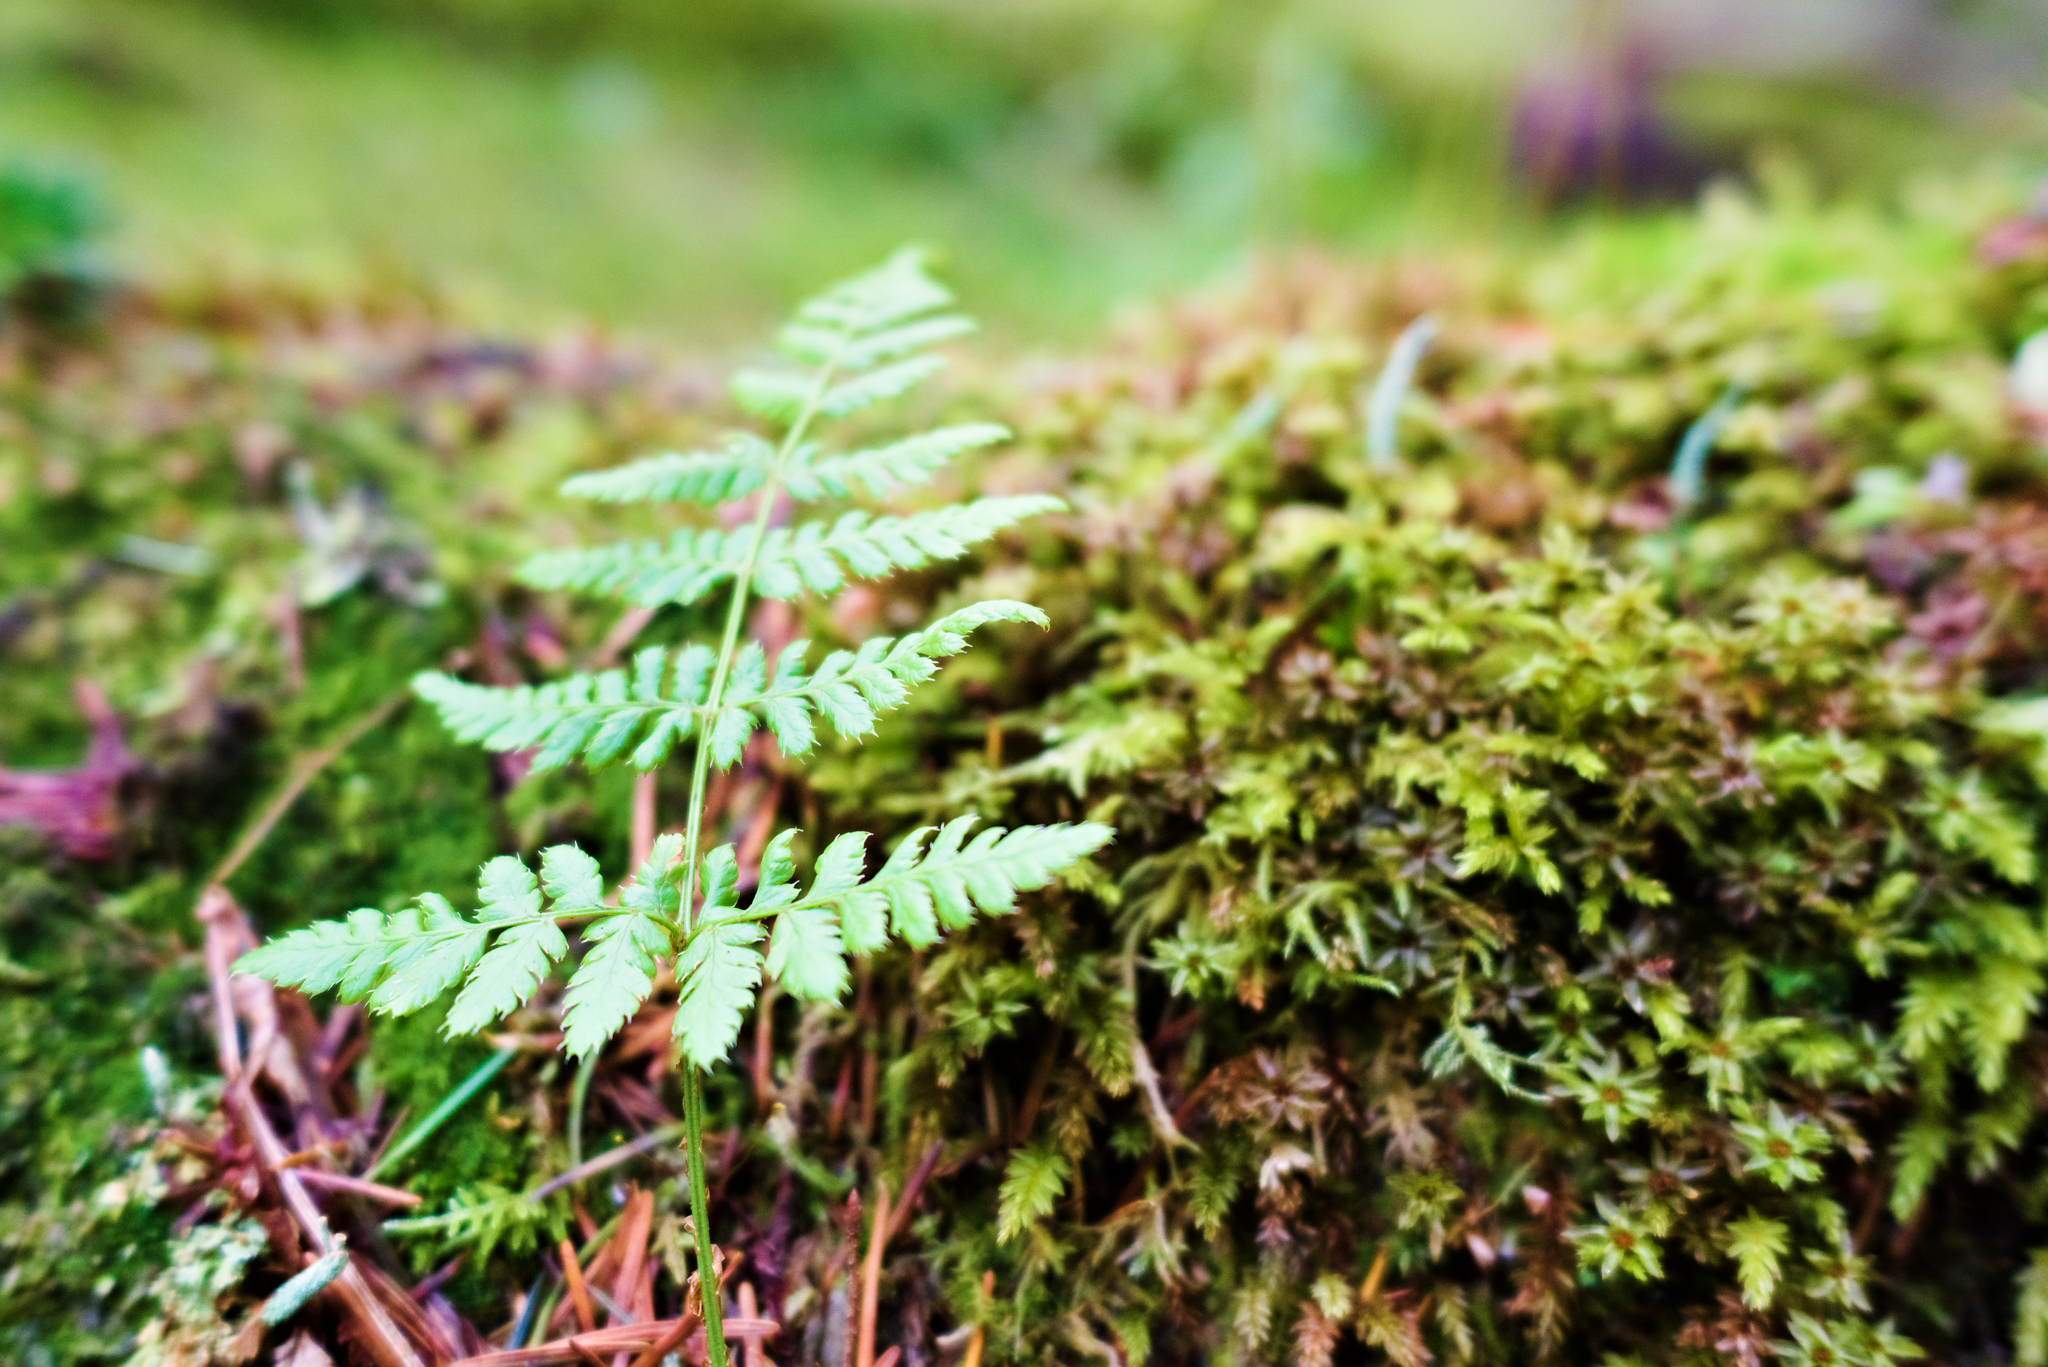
[[227, 935], [356, 1186], [1370, 1289], [630, 624], [871, 1278], [610, 1158], [304, 769], [618, 1338], [1034, 1091], [579, 1294], [974, 1341], [631, 1240], [652, 1355], [644, 792], [899, 1218], [756, 1355]]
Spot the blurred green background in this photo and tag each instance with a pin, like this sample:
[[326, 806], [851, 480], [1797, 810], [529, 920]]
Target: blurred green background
[[685, 168]]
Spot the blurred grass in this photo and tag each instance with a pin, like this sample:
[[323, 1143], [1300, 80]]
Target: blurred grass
[[684, 169]]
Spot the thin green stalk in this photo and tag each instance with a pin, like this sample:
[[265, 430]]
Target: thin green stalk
[[700, 763], [579, 1100], [700, 1207], [454, 1102]]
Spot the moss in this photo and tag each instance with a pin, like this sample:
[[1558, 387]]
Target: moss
[[1557, 920]]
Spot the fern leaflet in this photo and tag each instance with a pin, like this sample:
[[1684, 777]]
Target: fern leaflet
[[817, 555], [852, 687], [594, 717], [618, 972], [916, 891]]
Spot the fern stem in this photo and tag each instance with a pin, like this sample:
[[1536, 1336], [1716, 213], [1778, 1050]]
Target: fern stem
[[700, 765], [700, 1207]]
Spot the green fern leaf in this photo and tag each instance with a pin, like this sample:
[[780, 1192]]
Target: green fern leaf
[[852, 687], [864, 391], [778, 396], [1918, 1155], [591, 717], [861, 312], [817, 555], [525, 953], [440, 948], [811, 556], [718, 969], [863, 921], [880, 469], [617, 974], [429, 965], [688, 566], [805, 952], [920, 888], [709, 477], [389, 961]]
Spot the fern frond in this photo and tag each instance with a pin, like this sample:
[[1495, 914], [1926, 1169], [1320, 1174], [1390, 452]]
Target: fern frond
[[592, 717], [851, 687], [919, 889], [356, 956], [709, 477], [719, 968], [873, 317], [816, 555], [1032, 1183], [860, 339], [401, 962], [682, 570], [879, 469], [805, 953], [617, 974], [532, 944]]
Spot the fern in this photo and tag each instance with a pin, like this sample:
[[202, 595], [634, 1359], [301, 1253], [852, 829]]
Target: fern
[[781, 562], [659, 701], [854, 346]]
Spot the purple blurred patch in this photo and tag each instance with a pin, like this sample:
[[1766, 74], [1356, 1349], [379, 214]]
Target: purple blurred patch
[[1590, 127], [78, 810]]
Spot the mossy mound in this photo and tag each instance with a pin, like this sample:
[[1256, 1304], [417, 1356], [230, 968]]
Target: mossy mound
[[1554, 914]]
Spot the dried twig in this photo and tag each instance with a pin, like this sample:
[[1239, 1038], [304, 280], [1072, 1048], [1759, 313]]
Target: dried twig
[[610, 1158], [618, 1338], [899, 1218], [644, 818], [974, 1341], [756, 1355], [1026, 1118], [356, 1186], [579, 1294], [631, 1240], [652, 1355], [303, 770], [871, 1278], [227, 935]]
